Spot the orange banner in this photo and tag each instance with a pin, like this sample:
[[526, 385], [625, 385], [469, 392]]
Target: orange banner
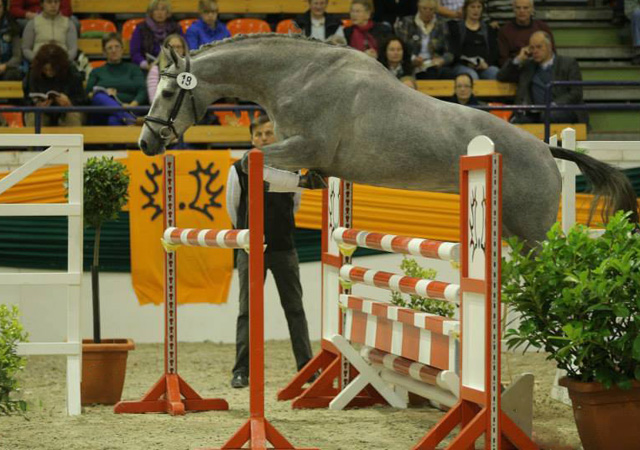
[[204, 275]]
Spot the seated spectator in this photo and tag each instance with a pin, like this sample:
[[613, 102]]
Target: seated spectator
[[390, 12], [174, 41], [426, 38], [463, 91], [47, 27], [364, 34], [395, 56], [409, 81], [10, 51], [632, 10], [117, 83], [316, 23], [54, 81], [515, 34], [533, 68], [450, 9], [473, 43], [150, 34], [207, 28]]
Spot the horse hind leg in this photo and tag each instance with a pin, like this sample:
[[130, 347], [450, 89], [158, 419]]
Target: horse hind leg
[[529, 225]]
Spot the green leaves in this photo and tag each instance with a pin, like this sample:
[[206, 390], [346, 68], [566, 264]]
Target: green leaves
[[411, 268], [579, 300], [11, 332]]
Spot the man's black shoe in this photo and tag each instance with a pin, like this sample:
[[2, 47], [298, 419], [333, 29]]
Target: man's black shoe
[[239, 380]]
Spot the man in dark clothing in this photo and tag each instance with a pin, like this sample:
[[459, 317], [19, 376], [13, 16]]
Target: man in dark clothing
[[316, 22], [280, 258], [515, 34], [535, 66]]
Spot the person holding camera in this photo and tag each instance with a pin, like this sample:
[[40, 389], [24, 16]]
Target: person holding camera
[[535, 66]]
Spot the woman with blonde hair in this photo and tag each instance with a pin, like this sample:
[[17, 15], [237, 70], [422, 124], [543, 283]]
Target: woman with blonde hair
[[150, 34], [177, 43]]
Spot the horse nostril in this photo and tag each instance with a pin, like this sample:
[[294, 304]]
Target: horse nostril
[[143, 145]]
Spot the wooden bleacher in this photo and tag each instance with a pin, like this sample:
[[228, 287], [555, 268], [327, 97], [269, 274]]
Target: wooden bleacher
[[191, 6], [206, 134]]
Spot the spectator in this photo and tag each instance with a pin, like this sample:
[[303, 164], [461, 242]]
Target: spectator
[[117, 83], [10, 51], [426, 37], [364, 34], [174, 41], [473, 43], [632, 10], [515, 34], [450, 9], [54, 81], [533, 68], [47, 27], [316, 23], [207, 28], [395, 56], [463, 91], [280, 257], [29, 9], [150, 34], [390, 11]]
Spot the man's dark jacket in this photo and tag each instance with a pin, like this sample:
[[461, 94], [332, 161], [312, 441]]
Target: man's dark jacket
[[331, 24], [564, 69]]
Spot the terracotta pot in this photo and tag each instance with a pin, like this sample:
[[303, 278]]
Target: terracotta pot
[[606, 418], [103, 369]]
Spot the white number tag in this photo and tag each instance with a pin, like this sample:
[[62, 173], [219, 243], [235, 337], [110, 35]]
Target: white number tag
[[187, 80]]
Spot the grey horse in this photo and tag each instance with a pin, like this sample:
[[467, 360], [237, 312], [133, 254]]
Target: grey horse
[[339, 112]]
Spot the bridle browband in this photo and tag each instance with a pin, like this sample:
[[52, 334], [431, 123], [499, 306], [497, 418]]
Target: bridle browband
[[167, 125]]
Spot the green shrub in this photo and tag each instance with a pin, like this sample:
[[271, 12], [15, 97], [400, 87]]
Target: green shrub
[[11, 333], [579, 301], [411, 268]]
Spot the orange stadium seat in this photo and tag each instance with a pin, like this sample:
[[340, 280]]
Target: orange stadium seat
[[287, 26], [14, 119], [247, 26], [346, 23], [503, 114], [235, 118], [95, 28], [129, 26], [186, 23]]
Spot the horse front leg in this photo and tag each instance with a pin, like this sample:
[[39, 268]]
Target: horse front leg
[[295, 153]]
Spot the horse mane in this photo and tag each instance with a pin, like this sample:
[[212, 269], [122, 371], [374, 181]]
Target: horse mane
[[258, 36]]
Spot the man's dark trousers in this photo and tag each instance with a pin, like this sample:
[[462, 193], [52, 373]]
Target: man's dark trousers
[[286, 273]]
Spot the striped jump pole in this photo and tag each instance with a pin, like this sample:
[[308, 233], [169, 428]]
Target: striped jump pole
[[171, 393]]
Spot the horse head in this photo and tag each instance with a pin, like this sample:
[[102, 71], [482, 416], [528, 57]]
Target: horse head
[[176, 106]]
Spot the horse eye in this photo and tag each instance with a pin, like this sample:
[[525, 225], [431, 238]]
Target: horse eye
[[167, 94]]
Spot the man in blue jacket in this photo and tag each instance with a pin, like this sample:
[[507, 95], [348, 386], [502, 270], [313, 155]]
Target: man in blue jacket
[[207, 28]]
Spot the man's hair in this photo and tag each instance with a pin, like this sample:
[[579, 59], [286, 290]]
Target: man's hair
[[431, 2], [368, 4], [153, 5], [257, 121], [545, 35], [464, 75], [111, 37], [513, 3], [204, 5]]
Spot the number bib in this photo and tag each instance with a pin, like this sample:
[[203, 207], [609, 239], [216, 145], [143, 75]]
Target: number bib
[[186, 80]]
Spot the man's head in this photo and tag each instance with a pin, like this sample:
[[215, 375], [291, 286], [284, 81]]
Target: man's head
[[262, 133], [427, 10], [523, 10], [208, 10], [463, 87], [540, 47], [318, 8]]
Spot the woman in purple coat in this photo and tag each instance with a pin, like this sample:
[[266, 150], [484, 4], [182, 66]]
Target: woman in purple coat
[[150, 34]]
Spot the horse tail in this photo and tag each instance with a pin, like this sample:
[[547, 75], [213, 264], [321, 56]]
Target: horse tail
[[607, 182]]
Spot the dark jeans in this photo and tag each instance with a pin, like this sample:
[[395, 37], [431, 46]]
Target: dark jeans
[[286, 273]]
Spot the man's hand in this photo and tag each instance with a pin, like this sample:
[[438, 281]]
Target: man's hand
[[523, 55], [312, 180]]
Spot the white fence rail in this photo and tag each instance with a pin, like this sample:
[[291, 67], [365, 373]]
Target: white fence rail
[[56, 146]]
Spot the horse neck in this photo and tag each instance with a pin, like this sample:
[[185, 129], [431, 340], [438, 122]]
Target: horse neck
[[249, 72]]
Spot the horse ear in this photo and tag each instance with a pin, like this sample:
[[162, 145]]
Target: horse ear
[[166, 53]]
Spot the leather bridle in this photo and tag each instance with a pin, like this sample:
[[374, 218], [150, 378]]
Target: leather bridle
[[167, 129]]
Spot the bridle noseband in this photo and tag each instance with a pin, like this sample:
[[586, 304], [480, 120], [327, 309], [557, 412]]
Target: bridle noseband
[[184, 79]]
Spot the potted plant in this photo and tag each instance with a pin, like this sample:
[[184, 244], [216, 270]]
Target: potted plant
[[11, 333], [578, 298], [104, 361]]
